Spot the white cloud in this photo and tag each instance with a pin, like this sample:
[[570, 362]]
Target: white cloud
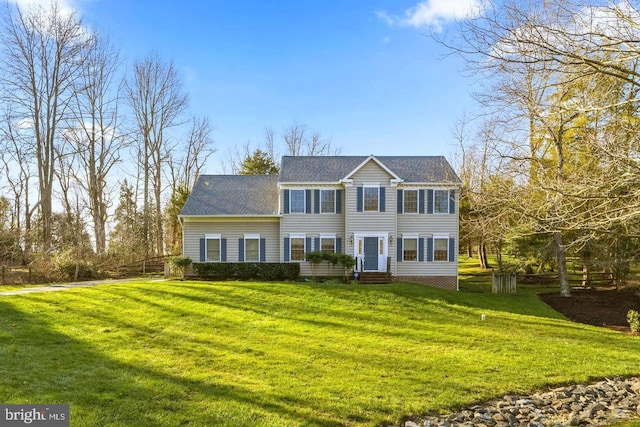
[[434, 13], [66, 6]]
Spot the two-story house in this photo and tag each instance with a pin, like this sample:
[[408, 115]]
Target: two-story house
[[395, 214]]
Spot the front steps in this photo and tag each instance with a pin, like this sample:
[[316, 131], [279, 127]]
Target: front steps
[[374, 278]]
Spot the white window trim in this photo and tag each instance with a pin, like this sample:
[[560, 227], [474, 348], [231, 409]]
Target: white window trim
[[251, 237], [206, 247], [304, 243], [417, 200], [328, 236], [411, 237], [441, 237], [364, 205], [448, 200], [304, 200], [335, 197]]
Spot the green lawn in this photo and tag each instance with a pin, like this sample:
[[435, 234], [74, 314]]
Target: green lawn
[[282, 354]]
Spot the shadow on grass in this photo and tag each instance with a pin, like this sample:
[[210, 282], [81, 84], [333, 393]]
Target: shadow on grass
[[41, 365]]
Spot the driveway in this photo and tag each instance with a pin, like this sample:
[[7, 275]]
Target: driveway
[[64, 286]]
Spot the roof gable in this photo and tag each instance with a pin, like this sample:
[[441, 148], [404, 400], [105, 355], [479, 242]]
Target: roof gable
[[371, 158], [334, 169]]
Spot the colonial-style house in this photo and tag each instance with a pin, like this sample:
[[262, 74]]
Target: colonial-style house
[[395, 214]]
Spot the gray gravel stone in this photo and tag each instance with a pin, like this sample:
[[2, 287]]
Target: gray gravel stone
[[602, 403]]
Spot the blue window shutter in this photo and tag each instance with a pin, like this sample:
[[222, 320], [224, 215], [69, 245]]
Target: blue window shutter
[[240, 250], [430, 249], [286, 201], [316, 244], [338, 201], [223, 250], [263, 250], [203, 250], [429, 201], [307, 201], [338, 245], [400, 207], [452, 201], [287, 256], [452, 249], [307, 245], [316, 201], [421, 201], [399, 254], [359, 196], [420, 250], [382, 199]]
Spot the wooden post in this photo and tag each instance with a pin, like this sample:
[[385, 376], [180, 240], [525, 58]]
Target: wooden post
[[503, 283]]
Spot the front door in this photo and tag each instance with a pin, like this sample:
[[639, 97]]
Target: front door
[[371, 254]]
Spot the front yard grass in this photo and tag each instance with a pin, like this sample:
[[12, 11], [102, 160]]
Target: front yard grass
[[289, 354]]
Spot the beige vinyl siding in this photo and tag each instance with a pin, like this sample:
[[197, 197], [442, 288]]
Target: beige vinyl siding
[[232, 230], [425, 226], [313, 225]]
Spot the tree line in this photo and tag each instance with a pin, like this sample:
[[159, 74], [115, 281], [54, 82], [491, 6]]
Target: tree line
[[550, 166], [74, 133], [98, 158]]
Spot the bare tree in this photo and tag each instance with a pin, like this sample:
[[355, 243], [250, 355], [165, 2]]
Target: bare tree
[[94, 136], [299, 142], [157, 99], [197, 149], [16, 158], [43, 54]]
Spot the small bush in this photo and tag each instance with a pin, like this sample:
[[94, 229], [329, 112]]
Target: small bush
[[633, 317], [181, 263], [63, 267], [247, 270]]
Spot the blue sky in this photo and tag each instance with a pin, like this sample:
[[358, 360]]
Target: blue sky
[[361, 72]]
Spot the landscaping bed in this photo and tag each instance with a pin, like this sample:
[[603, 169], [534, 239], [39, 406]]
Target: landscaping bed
[[605, 306]]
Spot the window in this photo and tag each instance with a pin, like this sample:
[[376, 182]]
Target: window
[[328, 244], [296, 201], [297, 248], [410, 201], [410, 249], [327, 201], [213, 250], [441, 201], [371, 196], [251, 249], [440, 248]]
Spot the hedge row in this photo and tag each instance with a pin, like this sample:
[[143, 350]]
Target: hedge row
[[247, 270]]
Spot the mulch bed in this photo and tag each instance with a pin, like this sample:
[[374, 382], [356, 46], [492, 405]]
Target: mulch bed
[[597, 306]]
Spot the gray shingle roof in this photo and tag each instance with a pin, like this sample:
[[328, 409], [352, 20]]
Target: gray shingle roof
[[233, 195], [328, 169]]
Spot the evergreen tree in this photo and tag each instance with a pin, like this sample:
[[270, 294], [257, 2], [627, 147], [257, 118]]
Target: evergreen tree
[[258, 163], [127, 242]]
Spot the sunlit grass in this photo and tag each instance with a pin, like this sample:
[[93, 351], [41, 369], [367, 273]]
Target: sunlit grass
[[286, 354]]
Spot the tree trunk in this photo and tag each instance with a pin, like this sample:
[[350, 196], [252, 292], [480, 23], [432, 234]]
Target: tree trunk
[[561, 259], [586, 275], [482, 255]]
